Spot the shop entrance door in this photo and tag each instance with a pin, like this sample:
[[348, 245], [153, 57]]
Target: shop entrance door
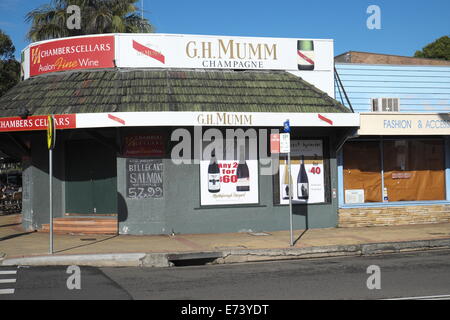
[[91, 178]]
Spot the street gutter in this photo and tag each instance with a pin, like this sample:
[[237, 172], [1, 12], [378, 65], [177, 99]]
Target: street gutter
[[226, 256]]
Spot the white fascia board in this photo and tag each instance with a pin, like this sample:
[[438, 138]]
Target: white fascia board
[[220, 119]]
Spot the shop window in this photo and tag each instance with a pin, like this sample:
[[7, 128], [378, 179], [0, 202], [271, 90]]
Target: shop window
[[10, 186], [412, 170], [362, 172], [310, 174]]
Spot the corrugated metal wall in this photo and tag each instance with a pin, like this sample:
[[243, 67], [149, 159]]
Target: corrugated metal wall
[[424, 89]]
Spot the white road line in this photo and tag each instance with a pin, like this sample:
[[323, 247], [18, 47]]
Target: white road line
[[440, 297], [7, 280], [6, 291], [8, 272]]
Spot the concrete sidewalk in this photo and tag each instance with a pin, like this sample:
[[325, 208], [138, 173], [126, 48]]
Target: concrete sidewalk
[[18, 247]]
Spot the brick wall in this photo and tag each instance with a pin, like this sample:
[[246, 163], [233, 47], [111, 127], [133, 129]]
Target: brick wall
[[393, 216]]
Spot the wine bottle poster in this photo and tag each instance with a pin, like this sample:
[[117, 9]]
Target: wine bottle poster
[[307, 173], [228, 182], [230, 188]]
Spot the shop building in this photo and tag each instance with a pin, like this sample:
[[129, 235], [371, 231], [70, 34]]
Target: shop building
[[396, 168], [142, 119]]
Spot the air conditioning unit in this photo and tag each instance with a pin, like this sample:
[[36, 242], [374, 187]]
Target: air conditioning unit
[[385, 104]]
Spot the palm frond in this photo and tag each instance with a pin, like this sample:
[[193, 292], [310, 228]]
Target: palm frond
[[97, 16]]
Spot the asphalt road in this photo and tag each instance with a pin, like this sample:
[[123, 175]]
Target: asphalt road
[[419, 274]]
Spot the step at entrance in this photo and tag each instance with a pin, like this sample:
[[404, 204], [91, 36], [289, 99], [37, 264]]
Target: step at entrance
[[78, 225]]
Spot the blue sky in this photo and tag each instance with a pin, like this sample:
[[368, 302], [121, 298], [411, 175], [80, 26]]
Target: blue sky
[[406, 25]]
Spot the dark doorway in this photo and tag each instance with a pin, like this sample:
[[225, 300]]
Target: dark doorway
[[91, 178]]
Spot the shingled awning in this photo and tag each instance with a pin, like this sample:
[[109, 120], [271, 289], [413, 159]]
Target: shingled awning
[[147, 90]]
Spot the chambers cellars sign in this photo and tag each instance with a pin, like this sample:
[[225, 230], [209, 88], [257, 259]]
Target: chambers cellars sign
[[71, 54]]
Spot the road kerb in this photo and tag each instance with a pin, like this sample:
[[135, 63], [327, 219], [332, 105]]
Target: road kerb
[[97, 260], [228, 256]]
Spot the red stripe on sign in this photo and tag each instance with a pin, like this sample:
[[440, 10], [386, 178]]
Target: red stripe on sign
[[148, 52], [304, 57], [325, 119], [116, 119]]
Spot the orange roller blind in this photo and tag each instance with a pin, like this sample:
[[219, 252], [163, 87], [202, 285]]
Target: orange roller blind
[[362, 168], [414, 170]]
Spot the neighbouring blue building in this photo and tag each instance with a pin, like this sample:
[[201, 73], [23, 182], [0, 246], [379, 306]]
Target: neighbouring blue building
[[396, 167]]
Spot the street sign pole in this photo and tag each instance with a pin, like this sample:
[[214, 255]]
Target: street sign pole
[[50, 173], [51, 144], [290, 197], [287, 149]]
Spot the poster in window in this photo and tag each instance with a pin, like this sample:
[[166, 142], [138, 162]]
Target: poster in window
[[229, 182], [354, 196], [144, 178], [307, 173]]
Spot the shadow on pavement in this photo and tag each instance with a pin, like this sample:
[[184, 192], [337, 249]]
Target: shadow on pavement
[[300, 236], [87, 244], [16, 235], [302, 211], [10, 225]]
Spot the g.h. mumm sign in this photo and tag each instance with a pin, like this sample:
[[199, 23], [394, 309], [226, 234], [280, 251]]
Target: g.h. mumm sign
[[311, 59]]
